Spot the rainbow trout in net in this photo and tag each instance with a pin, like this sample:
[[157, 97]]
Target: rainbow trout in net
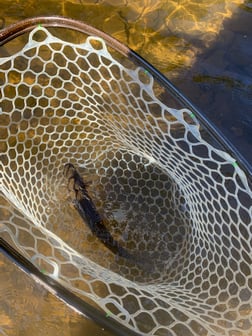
[[88, 212]]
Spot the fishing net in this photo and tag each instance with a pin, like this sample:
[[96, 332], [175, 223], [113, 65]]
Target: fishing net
[[169, 193]]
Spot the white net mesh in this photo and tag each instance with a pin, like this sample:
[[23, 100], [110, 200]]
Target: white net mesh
[[174, 201]]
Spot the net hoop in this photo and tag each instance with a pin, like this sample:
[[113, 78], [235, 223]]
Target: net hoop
[[203, 195]]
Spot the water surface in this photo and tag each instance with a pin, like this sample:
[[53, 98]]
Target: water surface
[[204, 48]]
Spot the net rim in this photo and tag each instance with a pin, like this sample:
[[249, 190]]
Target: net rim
[[159, 291], [25, 26]]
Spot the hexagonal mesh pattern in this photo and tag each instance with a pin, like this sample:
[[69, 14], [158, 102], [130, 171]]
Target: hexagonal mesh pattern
[[179, 205]]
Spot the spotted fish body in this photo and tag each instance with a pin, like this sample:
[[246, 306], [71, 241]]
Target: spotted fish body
[[87, 210]]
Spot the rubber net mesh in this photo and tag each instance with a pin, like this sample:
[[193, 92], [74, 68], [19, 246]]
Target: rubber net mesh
[[181, 206]]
